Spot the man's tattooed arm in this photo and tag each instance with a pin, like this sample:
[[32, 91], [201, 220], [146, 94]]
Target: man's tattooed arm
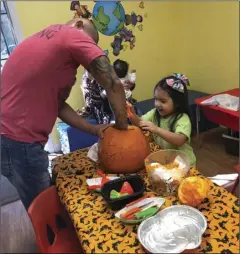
[[102, 67], [104, 74]]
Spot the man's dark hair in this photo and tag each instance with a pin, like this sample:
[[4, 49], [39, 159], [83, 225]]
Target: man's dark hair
[[121, 68]]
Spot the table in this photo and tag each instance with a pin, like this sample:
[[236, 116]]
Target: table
[[100, 232], [218, 115]]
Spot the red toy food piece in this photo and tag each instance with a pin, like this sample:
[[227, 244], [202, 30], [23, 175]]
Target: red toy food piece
[[126, 188], [135, 201], [104, 177], [131, 217], [130, 212], [94, 187], [104, 180], [129, 112], [138, 200], [100, 173]]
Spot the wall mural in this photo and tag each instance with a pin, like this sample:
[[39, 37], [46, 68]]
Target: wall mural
[[110, 19]]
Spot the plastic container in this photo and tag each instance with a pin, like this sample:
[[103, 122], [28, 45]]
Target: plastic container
[[164, 176], [231, 144], [135, 181]]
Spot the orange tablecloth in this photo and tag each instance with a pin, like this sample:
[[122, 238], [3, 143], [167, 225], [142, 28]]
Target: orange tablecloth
[[100, 232]]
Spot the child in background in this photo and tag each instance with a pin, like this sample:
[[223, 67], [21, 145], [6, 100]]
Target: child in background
[[96, 106], [128, 79], [95, 97], [169, 121]]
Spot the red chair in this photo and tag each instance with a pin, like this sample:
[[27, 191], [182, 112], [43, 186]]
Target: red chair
[[53, 228], [235, 185]]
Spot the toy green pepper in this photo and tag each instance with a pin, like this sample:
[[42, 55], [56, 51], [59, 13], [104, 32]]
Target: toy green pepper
[[146, 213], [115, 195]]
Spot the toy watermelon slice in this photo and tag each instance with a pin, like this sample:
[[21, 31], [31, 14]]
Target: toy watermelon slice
[[127, 188]]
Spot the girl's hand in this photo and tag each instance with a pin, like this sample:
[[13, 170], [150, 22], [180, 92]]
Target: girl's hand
[[148, 126]]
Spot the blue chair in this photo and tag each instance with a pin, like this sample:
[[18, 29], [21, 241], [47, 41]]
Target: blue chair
[[72, 139]]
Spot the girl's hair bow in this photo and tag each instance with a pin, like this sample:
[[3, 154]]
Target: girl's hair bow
[[178, 84]]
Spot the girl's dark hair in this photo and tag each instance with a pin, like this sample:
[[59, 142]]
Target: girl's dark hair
[[121, 68], [180, 100]]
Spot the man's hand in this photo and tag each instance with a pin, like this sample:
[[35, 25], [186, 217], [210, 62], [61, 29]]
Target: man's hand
[[100, 128], [104, 74], [148, 126], [69, 116]]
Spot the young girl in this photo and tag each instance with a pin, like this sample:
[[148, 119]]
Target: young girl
[[169, 121]]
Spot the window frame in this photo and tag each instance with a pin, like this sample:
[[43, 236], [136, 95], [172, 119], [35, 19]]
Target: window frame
[[14, 18], [6, 13]]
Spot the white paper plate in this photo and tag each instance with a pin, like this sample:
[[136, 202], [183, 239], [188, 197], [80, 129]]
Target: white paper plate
[[157, 201], [97, 181]]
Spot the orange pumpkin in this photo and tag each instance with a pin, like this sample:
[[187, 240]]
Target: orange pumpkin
[[123, 151], [193, 190]]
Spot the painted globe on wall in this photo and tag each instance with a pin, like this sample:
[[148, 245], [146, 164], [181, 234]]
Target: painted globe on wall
[[108, 17]]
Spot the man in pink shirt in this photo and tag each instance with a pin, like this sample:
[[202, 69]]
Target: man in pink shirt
[[36, 81]]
